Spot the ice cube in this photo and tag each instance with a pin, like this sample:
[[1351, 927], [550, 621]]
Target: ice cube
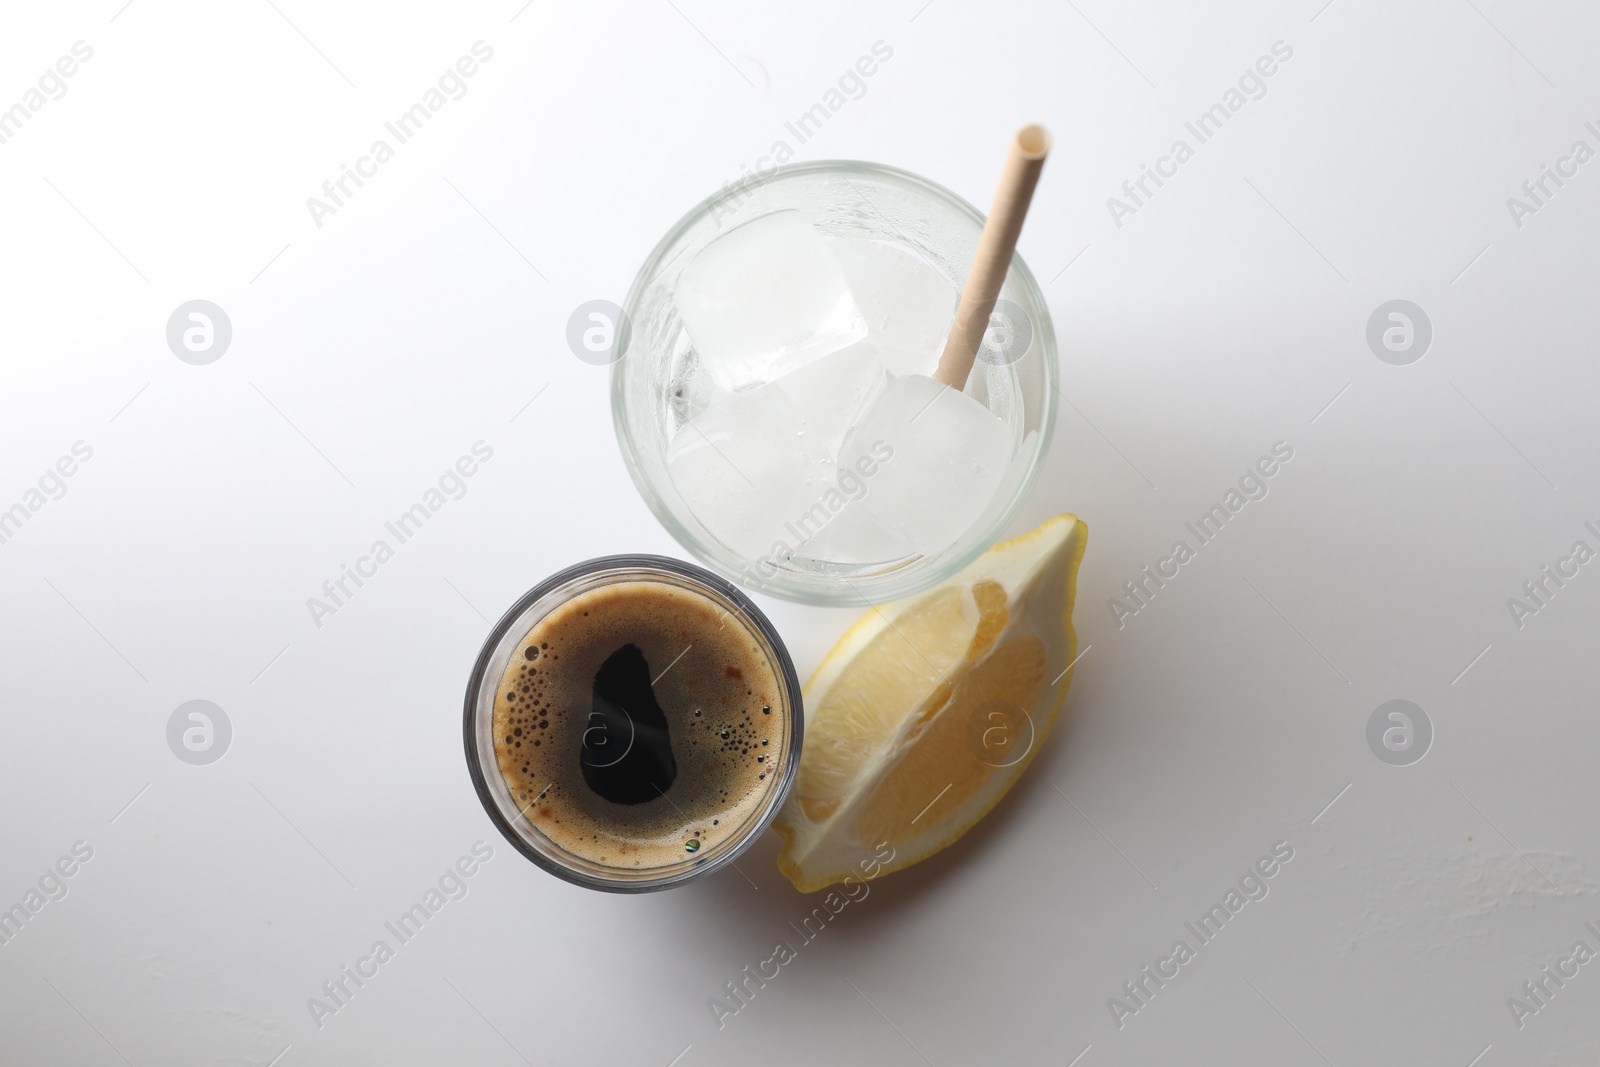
[[758, 467], [907, 303], [855, 538], [764, 299], [691, 390], [830, 392], [939, 457], [745, 469]]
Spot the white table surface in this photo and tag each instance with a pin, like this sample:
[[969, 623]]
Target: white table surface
[[368, 353]]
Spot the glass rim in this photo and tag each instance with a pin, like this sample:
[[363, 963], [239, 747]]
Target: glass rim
[[843, 592], [637, 565]]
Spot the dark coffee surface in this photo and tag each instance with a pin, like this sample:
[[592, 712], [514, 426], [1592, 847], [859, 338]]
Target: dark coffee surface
[[639, 723]]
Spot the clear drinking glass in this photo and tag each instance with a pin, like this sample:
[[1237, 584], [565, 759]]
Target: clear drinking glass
[[502, 643], [657, 383]]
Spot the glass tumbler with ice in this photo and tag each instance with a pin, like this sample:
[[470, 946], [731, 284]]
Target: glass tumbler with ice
[[776, 405]]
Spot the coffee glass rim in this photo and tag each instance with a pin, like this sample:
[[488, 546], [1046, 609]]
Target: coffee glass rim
[[634, 566]]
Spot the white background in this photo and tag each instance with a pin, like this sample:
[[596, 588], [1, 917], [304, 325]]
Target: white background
[[369, 353]]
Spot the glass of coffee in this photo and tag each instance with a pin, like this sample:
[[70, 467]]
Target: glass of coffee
[[633, 723]]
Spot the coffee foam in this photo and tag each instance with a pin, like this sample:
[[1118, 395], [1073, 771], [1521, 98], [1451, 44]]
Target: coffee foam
[[723, 702]]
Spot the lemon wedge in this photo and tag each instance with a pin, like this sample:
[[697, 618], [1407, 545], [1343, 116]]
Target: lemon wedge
[[929, 708]]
